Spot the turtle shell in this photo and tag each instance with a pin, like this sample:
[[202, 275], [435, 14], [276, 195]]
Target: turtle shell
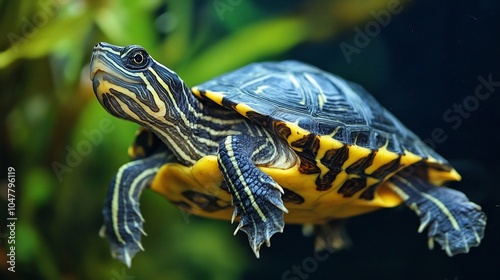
[[318, 102], [348, 145]]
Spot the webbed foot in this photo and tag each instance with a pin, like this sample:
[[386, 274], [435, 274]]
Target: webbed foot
[[261, 213], [453, 221], [122, 217], [255, 195]]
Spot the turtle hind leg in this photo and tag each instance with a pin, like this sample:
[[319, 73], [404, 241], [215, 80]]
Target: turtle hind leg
[[456, 223], [330, 236]]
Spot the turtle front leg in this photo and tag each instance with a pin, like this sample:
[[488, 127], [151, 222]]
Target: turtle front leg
[[456, 223], [122, 216], [255, 195]]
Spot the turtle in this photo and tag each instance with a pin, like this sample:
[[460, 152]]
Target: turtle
[[267, 144]]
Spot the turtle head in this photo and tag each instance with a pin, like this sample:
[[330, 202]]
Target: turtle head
[[130, 84]]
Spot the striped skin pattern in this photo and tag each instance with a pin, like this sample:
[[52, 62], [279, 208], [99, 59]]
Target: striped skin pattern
[[461, 223], [257, 197], [276, 143], [122, 216]]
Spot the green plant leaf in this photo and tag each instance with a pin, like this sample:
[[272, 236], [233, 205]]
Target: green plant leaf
[[258, 41], [43, 40]]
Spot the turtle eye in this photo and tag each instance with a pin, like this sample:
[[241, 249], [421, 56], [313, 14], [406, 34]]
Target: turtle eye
[[137, 59]]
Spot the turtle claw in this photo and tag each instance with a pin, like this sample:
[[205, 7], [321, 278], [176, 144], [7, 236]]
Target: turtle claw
[[122, 252], [125, 242], [126, 252], [278, 202], [262, 219], [259, 233], [233, 217], [255, 195]]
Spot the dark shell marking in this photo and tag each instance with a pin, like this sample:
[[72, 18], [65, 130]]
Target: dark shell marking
[[369, 193], [352, 186], [206, 202], [333, 159], [309, 146], [359, 166], [291, 197]]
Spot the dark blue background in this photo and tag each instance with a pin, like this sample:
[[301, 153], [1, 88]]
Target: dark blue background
[[426, 60]]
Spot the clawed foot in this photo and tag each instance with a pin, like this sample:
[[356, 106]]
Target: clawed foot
[[460, 228], [453, 221], [255, 195], [261, 214], [122, 217], [125, 235]]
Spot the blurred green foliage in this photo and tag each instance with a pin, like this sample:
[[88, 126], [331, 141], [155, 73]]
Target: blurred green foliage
[[48, 111]]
